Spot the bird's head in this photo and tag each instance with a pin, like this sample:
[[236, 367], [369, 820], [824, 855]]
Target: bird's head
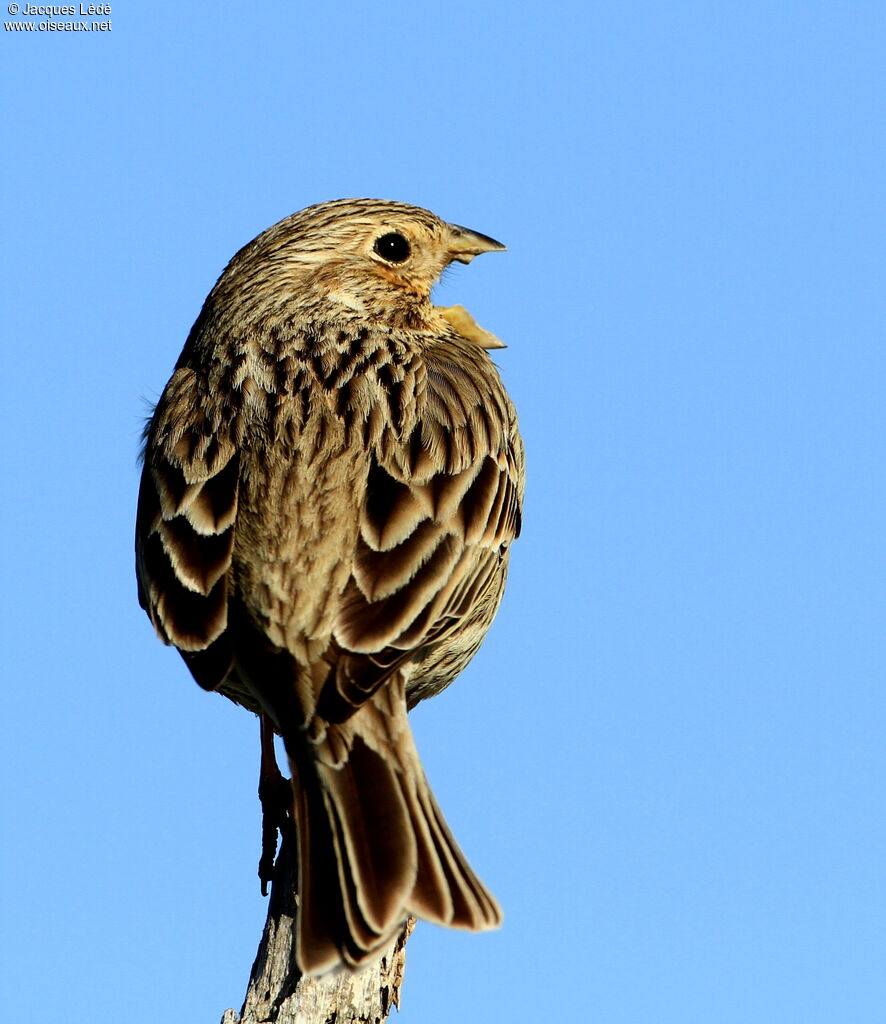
[[356, 256]]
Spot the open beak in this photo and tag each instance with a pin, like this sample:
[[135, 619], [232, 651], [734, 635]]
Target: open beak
[[466, 244]]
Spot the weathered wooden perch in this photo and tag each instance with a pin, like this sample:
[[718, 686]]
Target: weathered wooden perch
[[279, 994]]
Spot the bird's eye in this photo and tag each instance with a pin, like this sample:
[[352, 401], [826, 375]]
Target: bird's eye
[[392, 247]]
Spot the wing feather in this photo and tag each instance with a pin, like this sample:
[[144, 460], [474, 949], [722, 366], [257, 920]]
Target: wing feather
[[439, 513], [185, 523]]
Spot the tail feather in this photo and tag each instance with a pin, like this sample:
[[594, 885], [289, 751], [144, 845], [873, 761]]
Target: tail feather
[[320, 922], [373, 850], [470, 904]]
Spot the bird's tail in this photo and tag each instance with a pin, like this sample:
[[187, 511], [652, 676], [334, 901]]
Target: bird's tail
[[373, 845]]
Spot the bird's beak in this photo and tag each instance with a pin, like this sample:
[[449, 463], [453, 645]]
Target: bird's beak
[[465, 244]]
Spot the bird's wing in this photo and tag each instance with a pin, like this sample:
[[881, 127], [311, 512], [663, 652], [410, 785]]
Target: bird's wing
[[441, 505], [439, 514], [184, 541]]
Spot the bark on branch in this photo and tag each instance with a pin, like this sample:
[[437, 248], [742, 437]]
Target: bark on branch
[[279, 994]]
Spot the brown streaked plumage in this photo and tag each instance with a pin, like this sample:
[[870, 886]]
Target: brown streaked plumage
[[332, 480]]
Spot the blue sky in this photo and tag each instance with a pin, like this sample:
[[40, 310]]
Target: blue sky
[[668, 760]]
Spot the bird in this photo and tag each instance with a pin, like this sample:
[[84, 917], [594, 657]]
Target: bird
[[331, 482]]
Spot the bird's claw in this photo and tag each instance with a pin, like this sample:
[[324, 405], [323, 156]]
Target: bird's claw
[[275, 794]]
